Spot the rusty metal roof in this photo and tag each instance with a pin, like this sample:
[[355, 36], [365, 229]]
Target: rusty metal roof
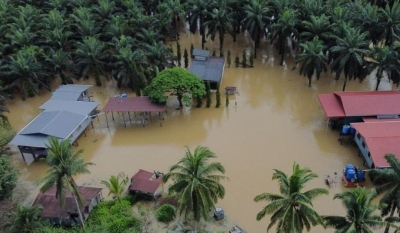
[[51, 205], [145, 182], [381, 138], [360, 103], [132, 104]]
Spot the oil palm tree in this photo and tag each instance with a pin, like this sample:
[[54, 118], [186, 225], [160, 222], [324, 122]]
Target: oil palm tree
[[24, 72], [292, 210], [24, 220], [148, 36], [369, 19], [59, 61], [174, 9], [349, 55], [388, 182], [319, 26], [391, 22], [90, 56], [159, 55], [361, 214], [116, 185], [3, 109], [220, 20], [312, 58], [64, 165], [284, 27], [196, 180], [385, 60], [197, 11], [257, 17]]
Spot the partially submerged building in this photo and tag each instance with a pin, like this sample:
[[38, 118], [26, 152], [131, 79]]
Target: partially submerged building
[[63, 119], [147, 183], [353, 106], [209, 69], [376, 139], [68, 214]]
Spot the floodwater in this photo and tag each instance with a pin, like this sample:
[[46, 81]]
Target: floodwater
[[274, 121]]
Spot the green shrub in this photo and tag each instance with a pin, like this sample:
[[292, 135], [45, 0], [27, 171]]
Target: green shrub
[[165, 213], [120, 207], [8, 177], [132, 198]]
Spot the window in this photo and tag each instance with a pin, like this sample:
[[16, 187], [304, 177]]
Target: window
[[363, 144], [358, 136]]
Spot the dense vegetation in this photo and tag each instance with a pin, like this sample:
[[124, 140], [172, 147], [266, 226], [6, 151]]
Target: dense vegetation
[[8, 177]]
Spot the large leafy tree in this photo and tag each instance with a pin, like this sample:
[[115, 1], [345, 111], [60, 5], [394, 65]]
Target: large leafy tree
[[64, 165], [312, 59], [197, 182], [361, 216], [348, 55], [90, 56], [116, 185], [178, 82], [24, 220], [257, 17], [292, 210], [388, 182]]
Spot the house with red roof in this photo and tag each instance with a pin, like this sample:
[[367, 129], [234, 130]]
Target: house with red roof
[[68, 214], [352, 106], [375, 139], [147, 183]]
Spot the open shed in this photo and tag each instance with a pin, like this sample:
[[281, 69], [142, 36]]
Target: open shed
[[141, 107]]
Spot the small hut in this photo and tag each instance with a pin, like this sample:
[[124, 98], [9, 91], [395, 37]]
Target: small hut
[[146, 183]]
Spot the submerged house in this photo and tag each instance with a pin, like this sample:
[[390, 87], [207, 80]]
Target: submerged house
[[67, 215], [64, 119], [353, 106], [376, 139], [207, 68], [72, 92], [147, 183]]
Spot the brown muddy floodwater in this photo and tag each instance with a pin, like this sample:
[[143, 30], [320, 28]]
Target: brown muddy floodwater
[[275, 120]]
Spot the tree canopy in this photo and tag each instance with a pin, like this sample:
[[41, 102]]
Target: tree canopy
[[177, 82]]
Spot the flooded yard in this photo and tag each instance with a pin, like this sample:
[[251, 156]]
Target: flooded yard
[[273, 121]]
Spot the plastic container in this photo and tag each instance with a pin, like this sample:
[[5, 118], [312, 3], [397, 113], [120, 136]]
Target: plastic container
[[348, 167], [124, 95], [352, 130], [345, 129], [360, 175], [350, 174]]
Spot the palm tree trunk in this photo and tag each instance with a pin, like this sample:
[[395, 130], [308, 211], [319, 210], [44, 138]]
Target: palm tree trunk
[[283, 51], [97, 76], [378, 78], [387, 37], [221, 39], [391, 215], [79, 211], [344, 84], [309, 81]]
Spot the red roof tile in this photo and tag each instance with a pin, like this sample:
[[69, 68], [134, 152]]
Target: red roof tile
[[145, 182], [51, 205], [381, 138], [362, 103]]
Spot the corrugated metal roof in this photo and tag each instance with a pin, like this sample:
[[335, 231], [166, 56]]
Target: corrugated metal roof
[[66, 96], [362, 103], [40, 122], [145, 182], [132, 104], [208, 70], [51, 205], [32, 140], [78, 107], [73, 88], [201, 53], [381, 138]]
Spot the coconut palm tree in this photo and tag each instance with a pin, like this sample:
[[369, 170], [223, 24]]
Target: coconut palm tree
[[116, 187], [292, 210], [284, 27], [90, 56], [361, 214], [220, 20], [388, 182], [196, 181], [257, 17], [349, 55], [312, 58], [391, 22], [24, 220], [385, 60], [64, 165]]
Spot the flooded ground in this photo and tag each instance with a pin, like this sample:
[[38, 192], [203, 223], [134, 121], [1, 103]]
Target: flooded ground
[[275, 120]]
